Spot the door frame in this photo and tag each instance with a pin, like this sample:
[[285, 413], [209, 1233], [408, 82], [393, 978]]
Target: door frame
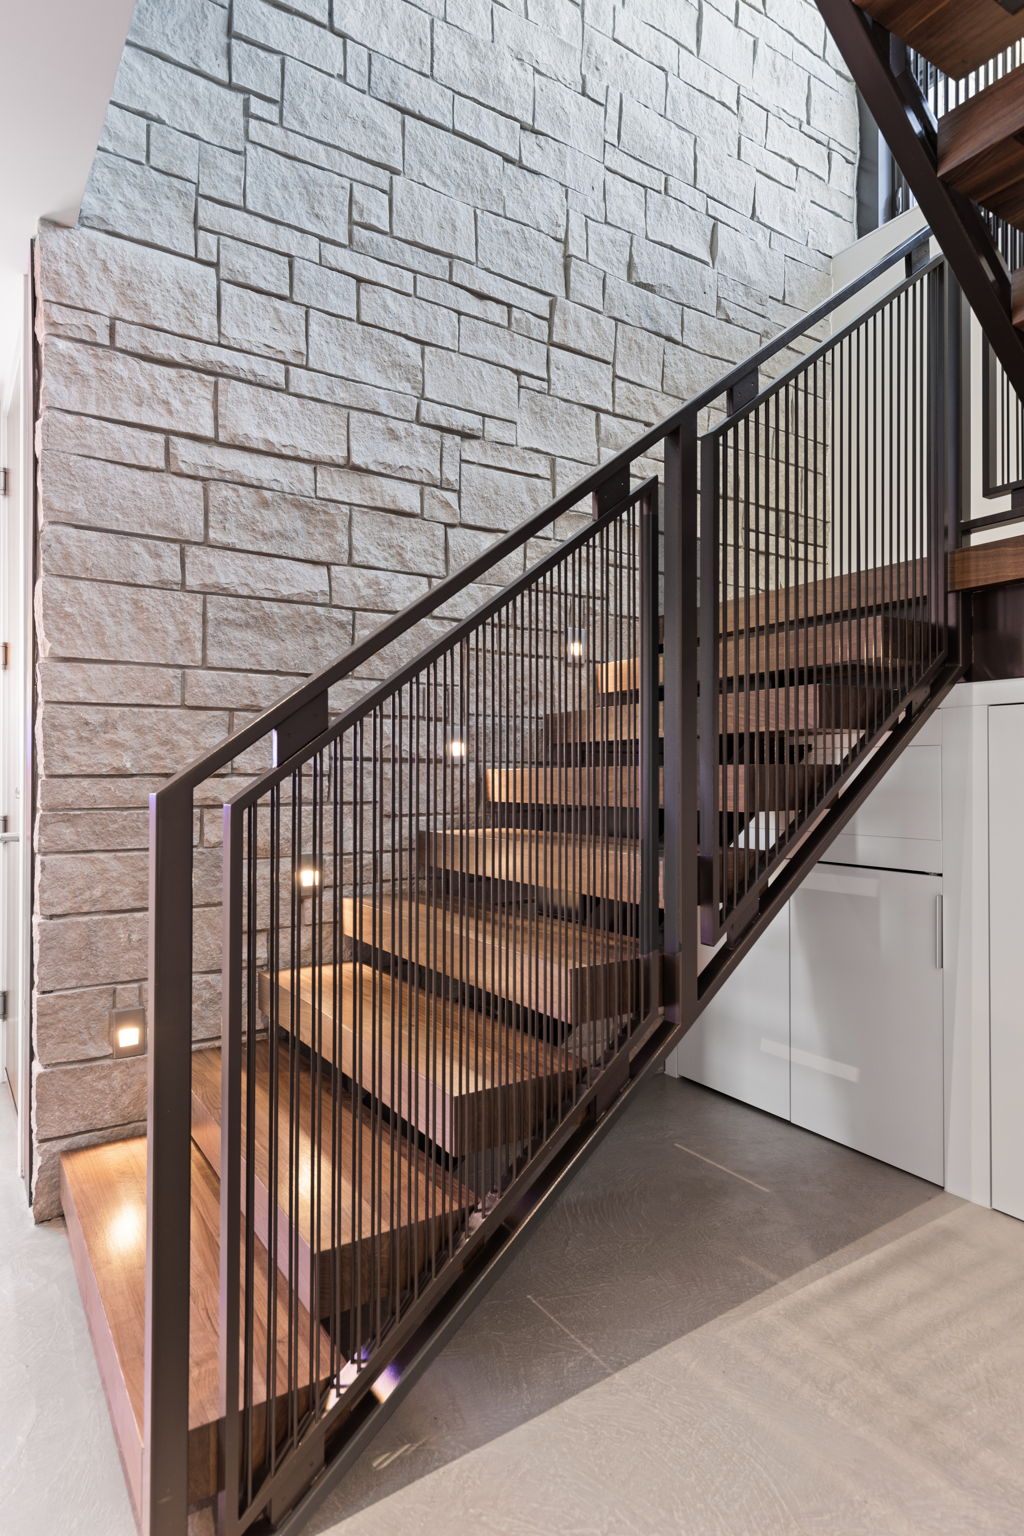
[[18, 443]]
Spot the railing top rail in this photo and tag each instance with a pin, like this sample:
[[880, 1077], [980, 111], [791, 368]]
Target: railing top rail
[[393, 629]]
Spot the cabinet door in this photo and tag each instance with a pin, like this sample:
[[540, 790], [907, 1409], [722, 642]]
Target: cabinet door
[[740, 1044], [1006, 953], [867, 1014]]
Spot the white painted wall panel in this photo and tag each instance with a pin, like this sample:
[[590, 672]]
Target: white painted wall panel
[[1006, 954]]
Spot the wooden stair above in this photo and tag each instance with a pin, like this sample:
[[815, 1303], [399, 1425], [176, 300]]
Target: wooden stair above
[[557, 969], [614, 786], [394, 1216], [103, 1190], [957, 35], [980, 149], [466, 1081], [996, 564]]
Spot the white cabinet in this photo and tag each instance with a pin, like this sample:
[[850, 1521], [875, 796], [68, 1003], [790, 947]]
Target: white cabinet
[[740, 1044], [899, 826], [866, 1036], [1006, 953]]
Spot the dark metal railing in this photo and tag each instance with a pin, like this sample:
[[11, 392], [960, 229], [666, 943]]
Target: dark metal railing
[[1002, 457], [459, 916]]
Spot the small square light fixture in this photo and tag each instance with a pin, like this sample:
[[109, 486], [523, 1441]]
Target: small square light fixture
[[308, 879], [128, 1031], [457, 747], [576, 644]]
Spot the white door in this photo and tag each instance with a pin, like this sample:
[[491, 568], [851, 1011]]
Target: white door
[[740, 1043], [867, 1041], [1006, 953], [15, 745]]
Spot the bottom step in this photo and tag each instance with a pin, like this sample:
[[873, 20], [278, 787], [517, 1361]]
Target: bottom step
[[104, 1196]]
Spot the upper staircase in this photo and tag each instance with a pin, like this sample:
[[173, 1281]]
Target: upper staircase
[[464, 917]]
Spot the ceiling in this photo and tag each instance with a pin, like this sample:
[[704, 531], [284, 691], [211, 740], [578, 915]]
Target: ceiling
[[60, 58]]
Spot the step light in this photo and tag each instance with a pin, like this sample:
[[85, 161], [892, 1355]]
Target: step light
[[128, 1031], [457, 748], [307, 878], [576, 645]]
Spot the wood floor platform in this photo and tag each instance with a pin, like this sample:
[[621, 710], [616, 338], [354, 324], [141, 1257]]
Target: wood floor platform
[[103, 1190], [467, 1081], [957, 35], [359, 1211]]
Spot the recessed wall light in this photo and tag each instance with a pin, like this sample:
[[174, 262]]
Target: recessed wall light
[[128, 1031]]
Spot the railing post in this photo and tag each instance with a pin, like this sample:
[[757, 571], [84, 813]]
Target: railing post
[[680, 707], [169, 1187], [957, 448], [650, 897]]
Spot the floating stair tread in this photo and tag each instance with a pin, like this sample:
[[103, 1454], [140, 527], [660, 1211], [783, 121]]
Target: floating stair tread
[[394, 1215], [874, 641], [980, 152], [955, 35], [827, 597], [987, 565], [561, 970], [103, 1190], [617, 787], [563, 864], [465, 1080], [809, 706]]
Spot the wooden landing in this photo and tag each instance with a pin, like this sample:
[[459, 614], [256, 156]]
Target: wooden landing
[[103, 1190], [466, 1081], [363, 1227], [564, 971], [987, 565], [957, 35]]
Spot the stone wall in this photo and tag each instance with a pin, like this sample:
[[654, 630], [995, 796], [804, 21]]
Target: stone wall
[[358, 283]]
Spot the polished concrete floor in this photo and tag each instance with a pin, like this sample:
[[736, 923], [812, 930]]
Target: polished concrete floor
[[726, 1325]]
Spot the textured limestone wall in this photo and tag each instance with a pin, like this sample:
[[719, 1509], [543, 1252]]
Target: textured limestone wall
[[357, 284]]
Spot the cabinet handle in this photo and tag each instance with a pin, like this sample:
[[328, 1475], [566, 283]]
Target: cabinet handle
[[939, 955]]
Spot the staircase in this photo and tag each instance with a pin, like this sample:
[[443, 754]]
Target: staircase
[[465, 917]]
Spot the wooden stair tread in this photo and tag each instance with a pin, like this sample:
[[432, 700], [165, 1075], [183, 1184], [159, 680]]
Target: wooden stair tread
[[809, 706], [876, 641], [564, 864], [616, 786], [560, 970], [957, 35], [465, 1080], [979, 151], [103, 1190], [851, 593], [987, 565], [392, 1216]]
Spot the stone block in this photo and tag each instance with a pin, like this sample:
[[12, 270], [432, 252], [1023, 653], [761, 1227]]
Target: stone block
[[321, 288], [102, 383], [278, 423], [429, 218], [101, 621], [73, 1099], [116, 557], [437, 159], [138, 202], [385, 541], [87, 682], [471, 384], [247, 575], [393, 311], [497, 132], [263, 324], [239, 225], [173, 152], [358, 352], [375, 591], [75, 324], [395, 448], [91, 882], [221, 173], [212, 461], [128, 281], [492, 498], [72, 1026], [582, 379], [164, 346], [557, 426], [581, 330], [284, 637], [98, 950], [483, 70], [70, 831], [413, 92], [325, 108], [293, 193], [391, 27], [570, 118], [65, 432], [264, 520], [523, 254], [362, 490], [193, 32], [91, 491], [89, 739]]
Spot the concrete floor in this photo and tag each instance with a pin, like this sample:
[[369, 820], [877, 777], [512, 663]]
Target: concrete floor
[[726, 1325]]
